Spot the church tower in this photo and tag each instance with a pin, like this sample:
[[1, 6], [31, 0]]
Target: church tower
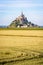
[[22, 15]]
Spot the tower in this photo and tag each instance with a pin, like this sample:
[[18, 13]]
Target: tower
[[22, 15]]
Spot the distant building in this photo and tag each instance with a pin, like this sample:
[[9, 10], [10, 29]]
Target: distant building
[[21, 21]]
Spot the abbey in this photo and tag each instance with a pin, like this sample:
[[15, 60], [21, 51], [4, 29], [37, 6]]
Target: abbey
[[21, 21]]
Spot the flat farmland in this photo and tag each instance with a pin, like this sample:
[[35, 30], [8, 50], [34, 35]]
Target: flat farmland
[[21, 47], [21, 37]]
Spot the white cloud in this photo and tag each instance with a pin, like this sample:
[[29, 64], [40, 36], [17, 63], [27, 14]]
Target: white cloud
[[20, 5]]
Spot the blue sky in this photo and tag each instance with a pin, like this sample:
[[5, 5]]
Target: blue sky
[[10, 9]]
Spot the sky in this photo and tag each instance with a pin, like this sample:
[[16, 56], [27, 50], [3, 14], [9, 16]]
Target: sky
[[11, 9]]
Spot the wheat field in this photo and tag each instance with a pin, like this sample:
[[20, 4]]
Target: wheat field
[[21, 45]]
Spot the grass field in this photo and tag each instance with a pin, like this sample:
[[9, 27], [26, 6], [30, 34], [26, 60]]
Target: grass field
[[21, 47]]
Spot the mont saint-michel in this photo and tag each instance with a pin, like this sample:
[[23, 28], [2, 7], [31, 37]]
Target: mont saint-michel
[[21, 21]]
